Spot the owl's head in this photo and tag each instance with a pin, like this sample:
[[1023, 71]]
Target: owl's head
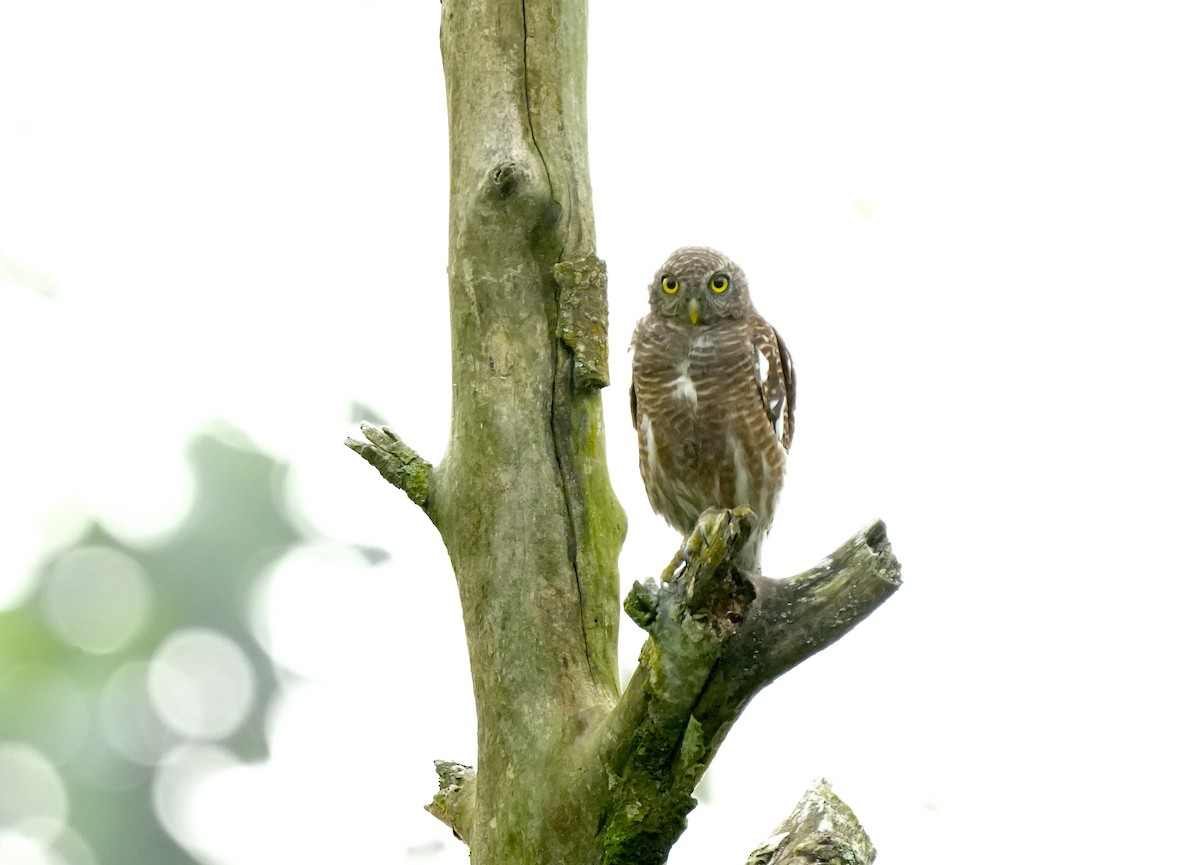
[[700, 286]]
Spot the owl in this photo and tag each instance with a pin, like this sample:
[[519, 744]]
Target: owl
[[712, 397]]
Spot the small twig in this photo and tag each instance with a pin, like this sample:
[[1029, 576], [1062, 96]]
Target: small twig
[[399, 464]]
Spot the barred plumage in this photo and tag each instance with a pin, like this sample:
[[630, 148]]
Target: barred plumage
[[713, 396]]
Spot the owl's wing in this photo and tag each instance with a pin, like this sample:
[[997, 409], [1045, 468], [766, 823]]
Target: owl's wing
[[637, 330], [776, 380]]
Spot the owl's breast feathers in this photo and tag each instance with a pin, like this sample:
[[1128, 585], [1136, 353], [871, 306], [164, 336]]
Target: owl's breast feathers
[[713, 407]]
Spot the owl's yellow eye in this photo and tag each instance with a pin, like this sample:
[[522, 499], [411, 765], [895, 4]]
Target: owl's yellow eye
[[719, 283], [670, 284]]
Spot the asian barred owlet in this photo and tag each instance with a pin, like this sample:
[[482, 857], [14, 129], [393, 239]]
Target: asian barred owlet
[[713, 396]]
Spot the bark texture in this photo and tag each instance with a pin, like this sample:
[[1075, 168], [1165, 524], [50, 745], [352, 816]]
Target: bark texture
[[570, 770], [522, 498], [717, 636], [822, 830]]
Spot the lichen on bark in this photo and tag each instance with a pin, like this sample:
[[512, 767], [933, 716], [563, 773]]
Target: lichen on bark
[[821, 830], [583, 322], [400, 465]]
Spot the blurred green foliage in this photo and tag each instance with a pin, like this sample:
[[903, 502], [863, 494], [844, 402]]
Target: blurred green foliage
[[84, 703]]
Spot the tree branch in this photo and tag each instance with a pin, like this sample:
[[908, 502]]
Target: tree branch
[[794, 618], [717, 636], [454, 802], [650, 744], [820, 831], [399, 464]]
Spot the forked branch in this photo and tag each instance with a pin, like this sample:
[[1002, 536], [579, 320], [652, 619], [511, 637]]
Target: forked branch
[[716, 637], [400, 465], [794, 618]]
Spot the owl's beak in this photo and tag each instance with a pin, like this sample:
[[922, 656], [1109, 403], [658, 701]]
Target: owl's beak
[[694, 310]]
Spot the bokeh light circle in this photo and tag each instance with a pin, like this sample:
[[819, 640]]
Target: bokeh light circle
[[182, 773], [33, 799], [201, 684], [326, 587], [16, 848], [128, 719], [96, 598]]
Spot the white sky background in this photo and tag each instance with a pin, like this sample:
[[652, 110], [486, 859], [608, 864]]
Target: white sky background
[[976, 225]]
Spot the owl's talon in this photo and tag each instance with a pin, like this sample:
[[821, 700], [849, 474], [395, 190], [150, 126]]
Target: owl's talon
[[716, 525], [713, 533], [678, 562]]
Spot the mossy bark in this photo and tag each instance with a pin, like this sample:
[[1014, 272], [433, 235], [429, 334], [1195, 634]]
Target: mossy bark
[[522, 498], [570, 770]]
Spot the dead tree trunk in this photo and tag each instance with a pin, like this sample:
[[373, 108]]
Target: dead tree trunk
[[570, 769]]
